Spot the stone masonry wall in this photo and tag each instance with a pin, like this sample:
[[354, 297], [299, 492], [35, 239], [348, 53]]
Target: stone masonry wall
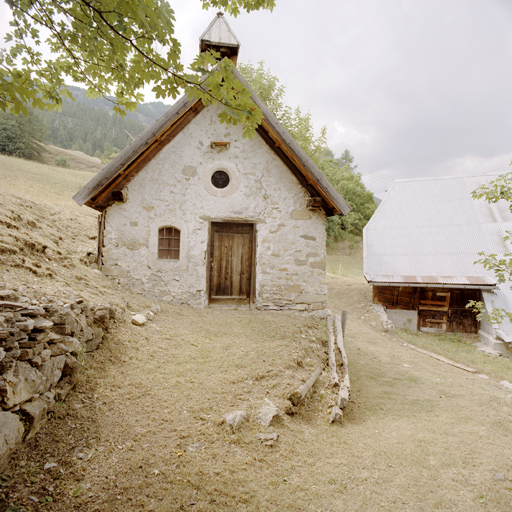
[[174, 189], [40, 343]]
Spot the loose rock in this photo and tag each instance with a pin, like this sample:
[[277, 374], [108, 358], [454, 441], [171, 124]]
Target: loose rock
[[139, 319], [267, 413], [235, 419]]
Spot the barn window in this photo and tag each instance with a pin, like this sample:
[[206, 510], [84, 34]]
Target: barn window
[[169, 243]]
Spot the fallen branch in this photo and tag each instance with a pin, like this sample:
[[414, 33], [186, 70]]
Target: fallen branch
[[441, 358], [297, 397]]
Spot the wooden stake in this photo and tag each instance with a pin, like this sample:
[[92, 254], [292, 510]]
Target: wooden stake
[[344, 315]]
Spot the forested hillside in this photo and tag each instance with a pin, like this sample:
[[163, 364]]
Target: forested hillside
[[90, 125]]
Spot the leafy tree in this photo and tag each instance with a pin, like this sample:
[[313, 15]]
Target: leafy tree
[[100, 43], [343, 175], [300, 125], [85, 128], [21, 136], [501, 265]]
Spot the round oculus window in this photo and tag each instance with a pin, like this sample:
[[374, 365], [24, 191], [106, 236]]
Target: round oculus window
[[220, 179]]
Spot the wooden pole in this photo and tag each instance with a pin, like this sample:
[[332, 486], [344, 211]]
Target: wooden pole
[[344, 315], [344, 393], [334, 380], [297, 397]]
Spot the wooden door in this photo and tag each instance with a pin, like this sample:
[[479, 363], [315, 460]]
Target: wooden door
[[231, 261], [433, 310]]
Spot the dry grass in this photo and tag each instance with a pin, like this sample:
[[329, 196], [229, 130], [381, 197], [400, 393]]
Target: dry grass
[[41, 182], [143, 429], [76, 159]]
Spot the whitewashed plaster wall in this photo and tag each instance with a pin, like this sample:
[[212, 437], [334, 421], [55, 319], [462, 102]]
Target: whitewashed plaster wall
[[173, 191]]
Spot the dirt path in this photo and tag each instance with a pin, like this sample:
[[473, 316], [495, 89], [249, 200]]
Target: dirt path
[[143, 430]]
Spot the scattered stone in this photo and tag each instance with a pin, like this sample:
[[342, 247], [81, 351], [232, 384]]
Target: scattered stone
[[235, 419], [267, 439], [267, 413], [197, 447], [506, 384], [150, 315], [500, 477], [50, 465], [139, 319]]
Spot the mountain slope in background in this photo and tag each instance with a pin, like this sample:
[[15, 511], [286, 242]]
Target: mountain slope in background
[[90, 125]]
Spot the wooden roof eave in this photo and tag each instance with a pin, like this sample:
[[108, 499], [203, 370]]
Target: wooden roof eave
[[282, 143], [120, 169]]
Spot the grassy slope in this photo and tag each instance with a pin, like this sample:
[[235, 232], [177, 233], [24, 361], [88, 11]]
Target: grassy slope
[[41, 182], [76, 159]]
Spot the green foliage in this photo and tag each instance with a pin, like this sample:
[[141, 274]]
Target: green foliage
[[501, 265], [345, 178], [21, 136], [299, 125], [101, 43], [61, 161]]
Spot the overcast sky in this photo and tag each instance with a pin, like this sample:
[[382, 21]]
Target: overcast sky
[[413, 88]]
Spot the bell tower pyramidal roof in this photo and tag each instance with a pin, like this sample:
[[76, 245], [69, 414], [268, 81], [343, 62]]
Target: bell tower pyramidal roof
[[220, 38]]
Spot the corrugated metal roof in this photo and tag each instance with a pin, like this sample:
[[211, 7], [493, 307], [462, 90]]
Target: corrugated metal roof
[[432, 229], [219, 33]]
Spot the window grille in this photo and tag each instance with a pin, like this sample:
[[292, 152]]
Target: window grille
[[169, 243]]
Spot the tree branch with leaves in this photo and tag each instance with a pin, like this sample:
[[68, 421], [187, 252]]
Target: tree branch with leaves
[[500, 265], [115, 48]]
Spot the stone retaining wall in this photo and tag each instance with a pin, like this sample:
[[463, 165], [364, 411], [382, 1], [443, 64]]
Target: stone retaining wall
[[41, 344]]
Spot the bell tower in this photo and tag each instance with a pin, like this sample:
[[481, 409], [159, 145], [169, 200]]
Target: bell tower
[[220, 38]]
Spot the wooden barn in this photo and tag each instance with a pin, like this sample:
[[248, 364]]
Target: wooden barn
[[419, 252], [194, 213]]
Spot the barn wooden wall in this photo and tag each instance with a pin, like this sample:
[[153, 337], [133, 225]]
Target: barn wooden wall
[[455, 317]]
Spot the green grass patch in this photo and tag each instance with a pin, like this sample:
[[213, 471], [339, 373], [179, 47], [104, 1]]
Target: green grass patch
[[461, 349], [346, 260]]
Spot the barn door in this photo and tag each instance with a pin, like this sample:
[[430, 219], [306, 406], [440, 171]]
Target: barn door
[[433, 310], [231, 261]]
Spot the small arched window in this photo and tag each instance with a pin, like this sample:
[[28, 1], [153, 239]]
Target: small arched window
[[169, 243]]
